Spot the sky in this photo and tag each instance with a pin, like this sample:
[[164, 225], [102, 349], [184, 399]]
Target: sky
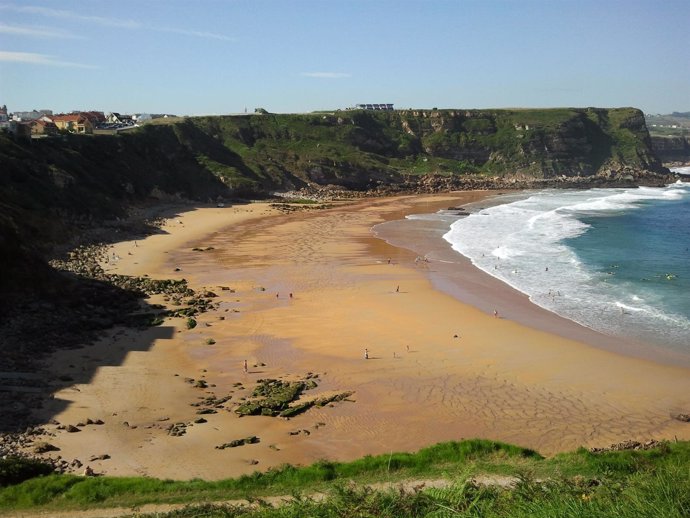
[[205, 57]]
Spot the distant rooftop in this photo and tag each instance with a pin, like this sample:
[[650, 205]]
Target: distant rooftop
[[386, 107]]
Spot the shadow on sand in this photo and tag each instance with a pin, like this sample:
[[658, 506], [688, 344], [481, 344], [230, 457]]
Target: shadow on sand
[[82, 312]]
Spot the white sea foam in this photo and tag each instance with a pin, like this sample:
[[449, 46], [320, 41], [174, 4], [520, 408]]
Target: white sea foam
[[523, 243], [681, 170]]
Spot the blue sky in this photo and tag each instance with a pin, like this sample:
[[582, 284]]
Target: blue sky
[[193, 57]]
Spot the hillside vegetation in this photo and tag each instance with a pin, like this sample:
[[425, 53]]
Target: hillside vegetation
[[48, 184], [473, 478], [363, 149]]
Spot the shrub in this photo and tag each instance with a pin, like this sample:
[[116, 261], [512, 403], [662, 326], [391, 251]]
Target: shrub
[[14, 470]]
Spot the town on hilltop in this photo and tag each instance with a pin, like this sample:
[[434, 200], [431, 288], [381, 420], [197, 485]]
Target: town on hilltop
[[43, 123]]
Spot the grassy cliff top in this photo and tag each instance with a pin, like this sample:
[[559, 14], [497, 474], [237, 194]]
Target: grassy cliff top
[[470, 478]]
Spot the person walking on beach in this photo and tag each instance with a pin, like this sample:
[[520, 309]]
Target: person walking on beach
[[366, 354], [495, 313], [397, 290], [245, 367]]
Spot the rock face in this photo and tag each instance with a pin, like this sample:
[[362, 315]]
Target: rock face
[[206, 157], [672, 149]]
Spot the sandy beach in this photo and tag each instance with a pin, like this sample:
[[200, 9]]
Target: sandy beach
[[310, 291]]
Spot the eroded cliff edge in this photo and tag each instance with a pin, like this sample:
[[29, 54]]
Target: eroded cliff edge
[[52, 188]]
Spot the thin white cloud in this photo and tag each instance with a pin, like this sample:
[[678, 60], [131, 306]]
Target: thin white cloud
[[197, 34], [31, 58], [326, 75], [118, 23], [70, 15], [36, 32]]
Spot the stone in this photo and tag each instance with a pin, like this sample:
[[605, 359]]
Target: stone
[[44, 447]]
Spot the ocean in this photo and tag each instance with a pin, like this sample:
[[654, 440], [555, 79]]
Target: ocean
[[613, 260]]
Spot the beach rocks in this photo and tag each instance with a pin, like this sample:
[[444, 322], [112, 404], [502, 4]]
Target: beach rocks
[[631, 445], [177, 430], [685, 418], [44, 447], [214, 401], [274, 397], [239, 442]]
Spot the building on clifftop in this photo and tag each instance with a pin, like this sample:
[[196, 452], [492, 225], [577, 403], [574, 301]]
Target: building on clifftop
[[378, 107]]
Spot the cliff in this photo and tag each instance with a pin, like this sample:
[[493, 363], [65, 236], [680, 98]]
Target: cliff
[[672, 149], [50, 187], [361, 150]]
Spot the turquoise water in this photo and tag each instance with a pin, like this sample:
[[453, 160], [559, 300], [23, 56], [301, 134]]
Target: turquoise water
[[614, 260]]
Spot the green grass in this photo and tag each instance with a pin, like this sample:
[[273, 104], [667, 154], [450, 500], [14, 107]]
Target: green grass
[[631, 481], [361, 143]]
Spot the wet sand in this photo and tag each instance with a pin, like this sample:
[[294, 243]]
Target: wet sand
[[439, 369]]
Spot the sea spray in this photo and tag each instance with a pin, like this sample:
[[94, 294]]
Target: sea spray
[[614, 260]]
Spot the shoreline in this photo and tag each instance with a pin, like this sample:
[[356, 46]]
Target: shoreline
[[464, 375], [454, 273]]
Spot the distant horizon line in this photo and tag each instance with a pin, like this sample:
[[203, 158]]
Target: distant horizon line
[[350, 108]]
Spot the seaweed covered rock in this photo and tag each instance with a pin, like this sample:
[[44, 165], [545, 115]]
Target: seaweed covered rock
[[277, 398], [238, 442]]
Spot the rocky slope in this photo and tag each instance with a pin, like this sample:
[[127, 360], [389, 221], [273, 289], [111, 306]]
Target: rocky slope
[[361, 150], [51, 189]]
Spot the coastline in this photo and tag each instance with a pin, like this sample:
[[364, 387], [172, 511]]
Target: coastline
[[498, 379], [453, 273]]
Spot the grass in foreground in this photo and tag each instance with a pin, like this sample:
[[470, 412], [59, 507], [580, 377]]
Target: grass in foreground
[[626, 483]]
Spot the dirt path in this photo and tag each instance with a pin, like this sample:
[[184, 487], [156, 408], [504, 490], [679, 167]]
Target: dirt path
[[408, 486]]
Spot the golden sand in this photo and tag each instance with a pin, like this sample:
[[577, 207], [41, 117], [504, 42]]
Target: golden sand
[[438, 369]]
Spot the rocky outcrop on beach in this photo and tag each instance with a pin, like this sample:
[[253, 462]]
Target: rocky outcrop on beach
[[278, 398]]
